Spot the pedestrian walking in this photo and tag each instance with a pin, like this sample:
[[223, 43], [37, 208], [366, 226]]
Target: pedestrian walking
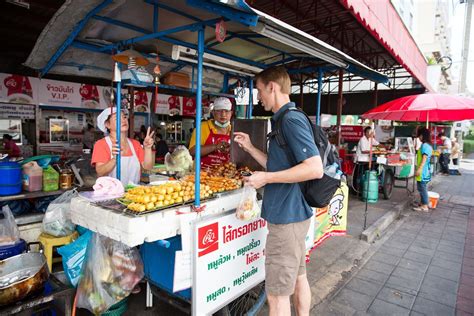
[[284, 207], [455, 155]]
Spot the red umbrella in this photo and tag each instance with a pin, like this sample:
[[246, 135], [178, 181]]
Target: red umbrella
[[423, 108]]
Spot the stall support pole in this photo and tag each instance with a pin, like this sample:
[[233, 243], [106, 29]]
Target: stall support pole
[[155, 18], [250, 107], [197, 183], [318, 102], [301, 93], [131, 115], [225, 84], [118, 124], [339, 107], [376, 94]]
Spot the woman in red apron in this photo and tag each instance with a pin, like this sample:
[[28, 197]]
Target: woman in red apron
[[215, 135]]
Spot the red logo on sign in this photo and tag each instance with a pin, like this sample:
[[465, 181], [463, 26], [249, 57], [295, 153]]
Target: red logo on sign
[[208, 237]]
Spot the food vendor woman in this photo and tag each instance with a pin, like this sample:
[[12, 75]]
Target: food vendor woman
[[215, 135], [133, 156], [10, 147]]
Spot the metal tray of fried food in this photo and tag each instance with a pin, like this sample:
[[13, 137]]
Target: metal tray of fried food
[[117, 206]]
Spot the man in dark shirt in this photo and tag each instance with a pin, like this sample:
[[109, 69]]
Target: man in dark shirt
[[284, 207]]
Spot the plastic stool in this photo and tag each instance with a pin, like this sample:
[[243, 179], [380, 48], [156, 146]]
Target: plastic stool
[[49, 242]]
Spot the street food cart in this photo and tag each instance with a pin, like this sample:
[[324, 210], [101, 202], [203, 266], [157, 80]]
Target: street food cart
[[201, 244]]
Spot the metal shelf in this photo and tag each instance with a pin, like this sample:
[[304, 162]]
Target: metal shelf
[[129, 82], [29, 195]]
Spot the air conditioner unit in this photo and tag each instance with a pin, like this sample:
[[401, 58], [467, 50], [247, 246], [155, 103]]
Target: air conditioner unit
[[213, 61]]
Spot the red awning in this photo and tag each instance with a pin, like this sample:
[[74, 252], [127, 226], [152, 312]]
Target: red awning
[[382, 20]]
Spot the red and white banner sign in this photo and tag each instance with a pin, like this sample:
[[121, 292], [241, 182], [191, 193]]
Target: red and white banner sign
[[18, 89], [352, 133], [52, 92]]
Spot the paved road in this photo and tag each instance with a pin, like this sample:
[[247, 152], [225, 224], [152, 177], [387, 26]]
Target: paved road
[[426, 266]]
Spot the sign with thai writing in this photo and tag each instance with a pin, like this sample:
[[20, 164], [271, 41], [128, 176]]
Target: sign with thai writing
[[53, 92], [228, 260], [23, 111], [352, 133]]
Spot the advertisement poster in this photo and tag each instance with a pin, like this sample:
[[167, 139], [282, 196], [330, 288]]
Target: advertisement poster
[[60, 93], [174, 104], [189, 106], [18, 89], [89, 96], [228, 259], [352, 133], [141, 101], [332, 219]]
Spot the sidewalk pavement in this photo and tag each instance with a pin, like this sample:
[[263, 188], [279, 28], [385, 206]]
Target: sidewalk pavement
[[423, 265]]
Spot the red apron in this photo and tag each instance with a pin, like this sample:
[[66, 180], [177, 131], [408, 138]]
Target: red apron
[[216, 157]]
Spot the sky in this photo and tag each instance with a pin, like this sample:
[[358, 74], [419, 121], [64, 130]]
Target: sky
[[456, 25]]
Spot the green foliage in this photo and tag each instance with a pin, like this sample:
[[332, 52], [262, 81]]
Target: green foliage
[[468, 145]]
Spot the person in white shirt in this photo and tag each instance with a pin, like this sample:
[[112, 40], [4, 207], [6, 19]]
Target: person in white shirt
[[362, 156], [445, 153], [363, 147]]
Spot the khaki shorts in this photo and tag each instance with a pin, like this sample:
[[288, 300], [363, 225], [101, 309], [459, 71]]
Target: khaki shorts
[[285, 257]]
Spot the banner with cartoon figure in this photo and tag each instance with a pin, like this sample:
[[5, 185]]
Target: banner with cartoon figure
[[18, 89], [332, 219]]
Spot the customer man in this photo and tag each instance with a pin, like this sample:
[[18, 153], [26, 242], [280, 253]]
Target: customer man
[[284, 207], [445, 153], [362, 156]]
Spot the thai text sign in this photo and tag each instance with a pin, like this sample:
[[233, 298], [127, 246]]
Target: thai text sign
[[352, 133], [228, 259]]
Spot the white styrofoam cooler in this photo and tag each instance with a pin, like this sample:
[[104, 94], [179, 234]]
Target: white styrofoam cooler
[[135, 230]]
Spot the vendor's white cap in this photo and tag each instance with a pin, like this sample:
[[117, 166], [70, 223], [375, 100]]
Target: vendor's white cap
[[103, 116], [222, 103]]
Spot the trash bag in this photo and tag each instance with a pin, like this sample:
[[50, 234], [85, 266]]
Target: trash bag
[[248, 206], [57, 219], [73, 255], [109, 274], [9, 233]]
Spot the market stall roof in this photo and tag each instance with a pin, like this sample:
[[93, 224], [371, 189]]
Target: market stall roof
[[81, 36], [370, 31]]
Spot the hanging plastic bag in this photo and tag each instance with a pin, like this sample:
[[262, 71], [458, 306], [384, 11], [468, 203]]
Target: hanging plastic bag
[[57, 219], [248, 206], [9, 233], [73, 257], [109, 274]]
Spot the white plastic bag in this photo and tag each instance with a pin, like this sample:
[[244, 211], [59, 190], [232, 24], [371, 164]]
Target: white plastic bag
[[248, 206], [9, 233], [109, 274], [57, 219]]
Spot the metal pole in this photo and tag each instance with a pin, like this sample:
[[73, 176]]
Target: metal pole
[[118, 124], [339, 107], [376, 94], [197, 183], [465, 46], [301, 93], [320, 86], [131, 116], [250, 108]]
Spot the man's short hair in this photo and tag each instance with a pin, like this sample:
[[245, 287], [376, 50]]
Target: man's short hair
[[368, 128], [278, 75]]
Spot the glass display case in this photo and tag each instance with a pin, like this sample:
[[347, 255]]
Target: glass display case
[[58, 130], [406, 148], [174, 132]]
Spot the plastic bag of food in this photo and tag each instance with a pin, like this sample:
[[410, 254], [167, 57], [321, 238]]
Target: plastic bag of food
[[109, 274], [57, 219], [248, 206], [179, 161], [9, 233], [73, 255]]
